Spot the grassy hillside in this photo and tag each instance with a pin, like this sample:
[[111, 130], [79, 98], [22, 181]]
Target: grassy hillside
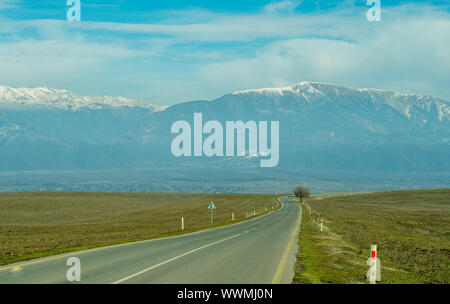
[[39, 224], [410, 228]]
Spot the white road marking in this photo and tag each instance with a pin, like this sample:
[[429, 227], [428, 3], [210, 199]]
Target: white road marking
[[173, 259], [250, 230]]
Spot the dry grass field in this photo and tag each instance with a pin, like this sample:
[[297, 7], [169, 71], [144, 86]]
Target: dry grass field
[[410, 228]]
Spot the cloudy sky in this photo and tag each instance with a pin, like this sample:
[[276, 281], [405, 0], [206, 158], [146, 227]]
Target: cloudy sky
[[166, 52]]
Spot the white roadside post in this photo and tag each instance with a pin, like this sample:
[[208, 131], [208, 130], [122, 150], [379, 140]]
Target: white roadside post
[[254, 212], [374, 273], [232, 216], [182, 223], [321, 225], [373, 266], [211, 207]]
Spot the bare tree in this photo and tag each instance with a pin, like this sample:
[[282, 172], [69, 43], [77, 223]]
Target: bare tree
[[301, 192]]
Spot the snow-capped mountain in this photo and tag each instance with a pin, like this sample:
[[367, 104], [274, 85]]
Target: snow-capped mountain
[[410, 106], [322, 126], [66, 100]]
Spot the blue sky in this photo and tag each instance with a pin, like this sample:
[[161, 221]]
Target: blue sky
[[166, 52]]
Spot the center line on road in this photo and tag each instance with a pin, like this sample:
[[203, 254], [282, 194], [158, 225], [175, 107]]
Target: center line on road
[[172, 259]]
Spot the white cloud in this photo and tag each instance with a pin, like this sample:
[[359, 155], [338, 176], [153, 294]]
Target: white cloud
[[282, 6], [10, 4], [407, 55], [220, 53]]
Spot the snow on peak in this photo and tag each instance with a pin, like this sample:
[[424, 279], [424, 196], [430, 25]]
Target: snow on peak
[[408, 105], [67, 100], [301, 88], [266, 91]]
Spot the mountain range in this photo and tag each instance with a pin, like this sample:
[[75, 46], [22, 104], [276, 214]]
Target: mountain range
[[322, 127]]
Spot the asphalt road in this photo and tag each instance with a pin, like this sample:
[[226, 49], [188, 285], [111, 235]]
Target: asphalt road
[[261, 250]]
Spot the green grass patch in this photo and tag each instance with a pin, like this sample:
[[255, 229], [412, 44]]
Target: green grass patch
[[410, 228], [39, 224]]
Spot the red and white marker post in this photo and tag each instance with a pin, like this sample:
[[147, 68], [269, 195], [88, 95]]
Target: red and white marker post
[[373, 265], [374, 273], [321, 225]]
